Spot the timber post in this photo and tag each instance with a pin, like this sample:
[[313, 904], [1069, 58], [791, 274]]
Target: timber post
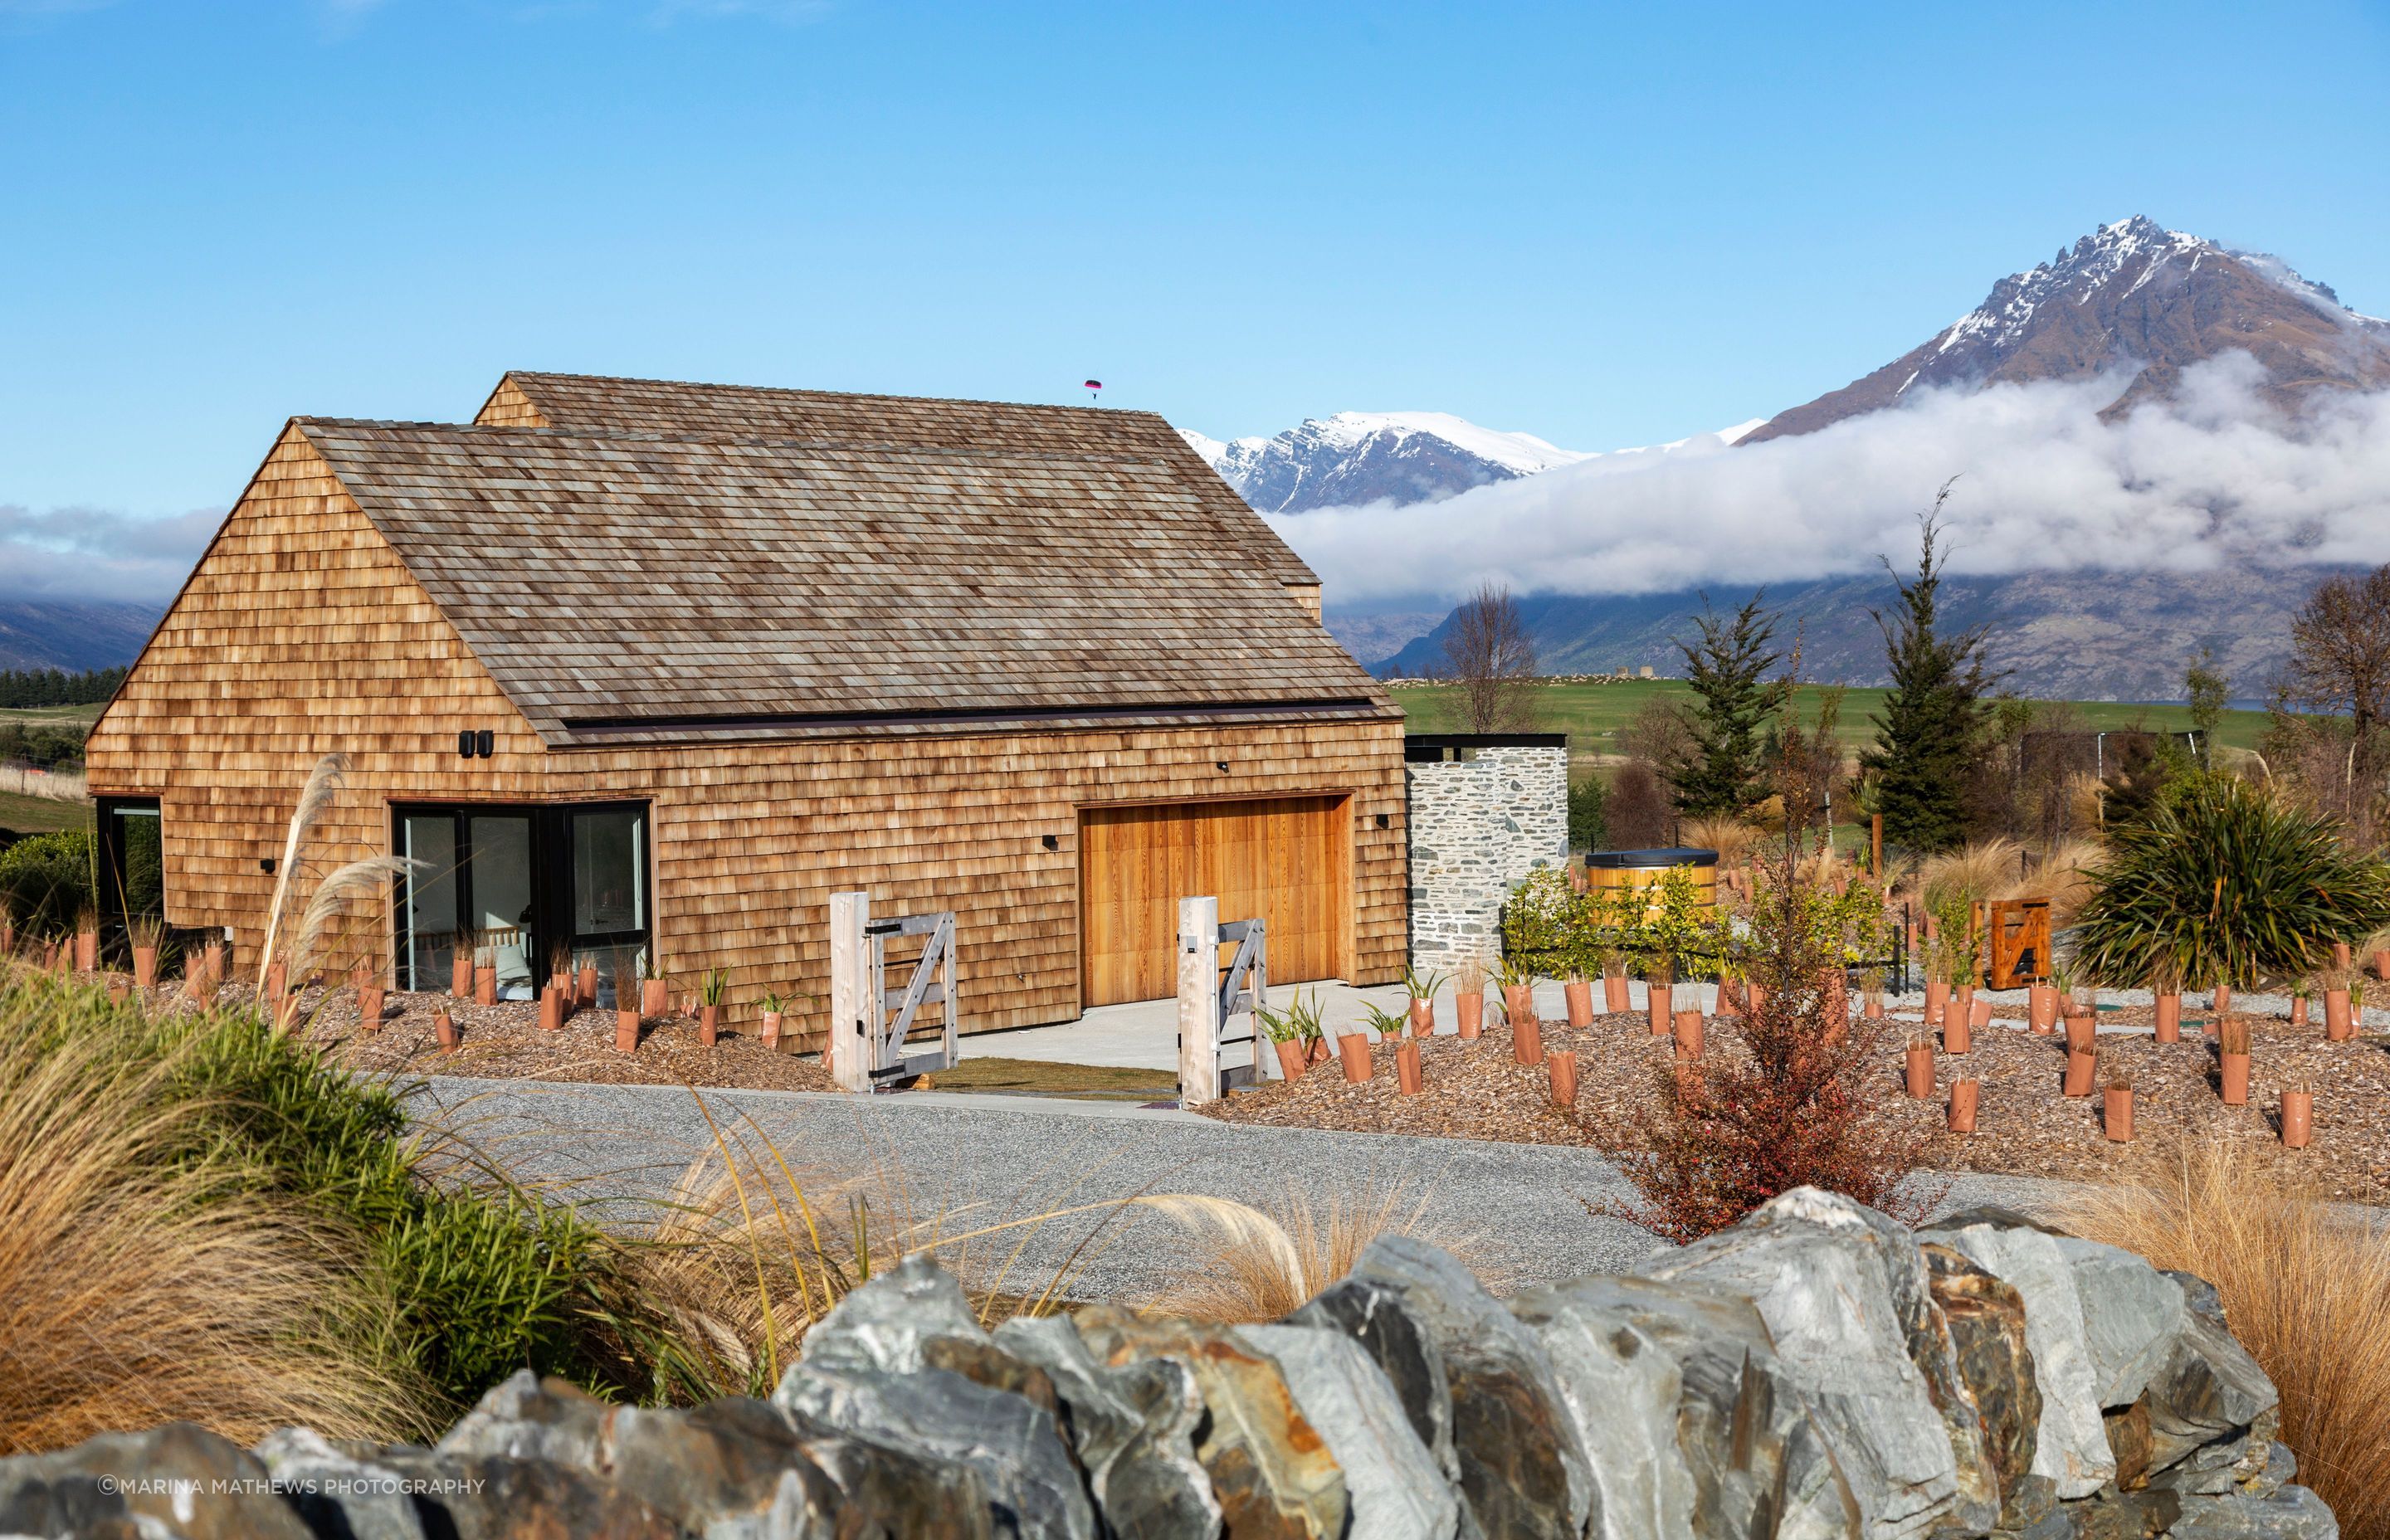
[[850, 1035], [1199, 1001]]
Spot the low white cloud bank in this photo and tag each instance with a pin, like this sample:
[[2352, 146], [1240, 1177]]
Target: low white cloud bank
[[2215, 476], [90, 554]]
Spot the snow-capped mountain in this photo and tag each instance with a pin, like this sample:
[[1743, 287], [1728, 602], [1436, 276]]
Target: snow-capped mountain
[[1355, 457], [2132, 294], [1394, 457]]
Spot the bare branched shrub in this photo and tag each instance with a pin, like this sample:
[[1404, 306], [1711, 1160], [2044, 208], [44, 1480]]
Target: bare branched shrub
[[1638, 811]]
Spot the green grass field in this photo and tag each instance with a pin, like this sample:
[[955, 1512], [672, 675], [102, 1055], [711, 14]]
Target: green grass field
[[49, 716], [1591, 714], [41, 814]]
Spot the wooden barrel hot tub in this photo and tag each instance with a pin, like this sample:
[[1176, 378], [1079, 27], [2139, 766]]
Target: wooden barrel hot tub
[[1643, 868]]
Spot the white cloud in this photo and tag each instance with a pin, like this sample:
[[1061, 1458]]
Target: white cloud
[[89, 554], [2214, 477]]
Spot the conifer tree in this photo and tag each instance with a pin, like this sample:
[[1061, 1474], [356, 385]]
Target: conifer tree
[[1733, 704], [1928, 727]]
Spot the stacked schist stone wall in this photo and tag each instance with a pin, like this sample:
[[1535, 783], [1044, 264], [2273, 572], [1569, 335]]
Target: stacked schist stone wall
[[1478, 827], [1815, 1371]]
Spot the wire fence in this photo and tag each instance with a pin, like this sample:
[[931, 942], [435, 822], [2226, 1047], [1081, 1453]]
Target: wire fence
[[62, 786]]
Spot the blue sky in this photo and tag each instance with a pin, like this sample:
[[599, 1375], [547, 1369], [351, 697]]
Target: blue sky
[[1603, 225]]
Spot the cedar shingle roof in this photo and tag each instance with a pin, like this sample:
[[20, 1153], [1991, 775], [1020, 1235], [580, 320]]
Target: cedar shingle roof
[[626, 587], [595, 404]]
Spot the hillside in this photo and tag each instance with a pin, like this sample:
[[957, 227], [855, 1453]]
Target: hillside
[[2060, 635], [1592, 713], [73, 635]]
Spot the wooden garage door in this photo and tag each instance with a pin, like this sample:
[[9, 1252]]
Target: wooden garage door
[[1289, 859]]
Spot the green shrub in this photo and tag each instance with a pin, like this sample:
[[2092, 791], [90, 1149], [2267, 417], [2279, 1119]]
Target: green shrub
[[1544, 926], [46, 880], [483, 1278], [1589, 821], [2222, 883]]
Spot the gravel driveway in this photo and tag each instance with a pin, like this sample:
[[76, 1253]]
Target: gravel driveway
[[1519, 1208]]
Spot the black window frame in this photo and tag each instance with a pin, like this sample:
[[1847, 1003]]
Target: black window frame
[[115, 921], [551, 876]]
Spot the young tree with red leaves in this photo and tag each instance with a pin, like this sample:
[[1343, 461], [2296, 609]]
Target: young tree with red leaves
[[1783, 1104]]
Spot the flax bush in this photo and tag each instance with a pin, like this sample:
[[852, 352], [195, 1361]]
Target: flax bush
[[2223, 882]]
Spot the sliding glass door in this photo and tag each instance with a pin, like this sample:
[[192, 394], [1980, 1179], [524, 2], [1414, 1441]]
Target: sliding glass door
[[523, 886]]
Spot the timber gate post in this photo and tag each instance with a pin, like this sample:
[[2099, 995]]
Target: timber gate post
[[1199, 1001], [1207, 999], [850, 1050]]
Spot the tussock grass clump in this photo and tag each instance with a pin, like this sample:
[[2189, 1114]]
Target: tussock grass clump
[[718, 1293], [1252, 1265], [1972, 874], [2306, 1287], [313, 1257], [1732, 838], [715, 1297], [2064, 877], [145, 1276]]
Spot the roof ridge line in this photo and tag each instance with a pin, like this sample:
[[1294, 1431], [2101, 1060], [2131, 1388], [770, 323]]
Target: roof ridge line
[[838, 395], [757, 441]]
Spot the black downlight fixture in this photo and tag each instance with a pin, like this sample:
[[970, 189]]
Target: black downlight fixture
[[475, 745]]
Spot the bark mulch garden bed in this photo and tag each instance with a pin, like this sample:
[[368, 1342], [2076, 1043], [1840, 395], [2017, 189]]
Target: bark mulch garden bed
[[1476, 1090], [504, 1042]]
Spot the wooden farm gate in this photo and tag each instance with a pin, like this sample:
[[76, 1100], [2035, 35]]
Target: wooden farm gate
[[2019, 938], [870, 1024]]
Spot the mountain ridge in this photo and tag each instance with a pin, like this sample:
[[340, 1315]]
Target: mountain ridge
[[2133, 296], [74, 634], [1351, 459], [2077, 635]]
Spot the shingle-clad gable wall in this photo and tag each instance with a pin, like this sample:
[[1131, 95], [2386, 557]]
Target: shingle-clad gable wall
[[300, 634]]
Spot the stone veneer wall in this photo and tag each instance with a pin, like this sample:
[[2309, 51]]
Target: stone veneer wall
[[1478, 827]]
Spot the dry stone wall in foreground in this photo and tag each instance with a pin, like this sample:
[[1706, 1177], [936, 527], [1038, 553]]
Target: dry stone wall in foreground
[[1815, 1371]]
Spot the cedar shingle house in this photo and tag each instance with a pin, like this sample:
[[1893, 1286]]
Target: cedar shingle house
[[633, 665]]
